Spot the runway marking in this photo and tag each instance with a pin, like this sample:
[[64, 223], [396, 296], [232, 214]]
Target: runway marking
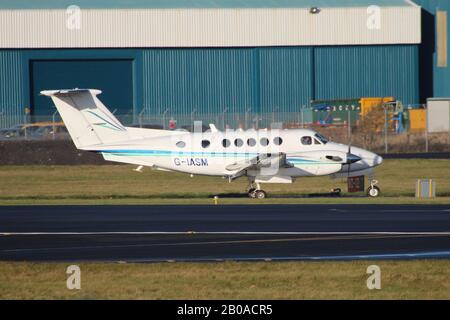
[[438, 233], [431, 254], [254, 241], [391, 210]]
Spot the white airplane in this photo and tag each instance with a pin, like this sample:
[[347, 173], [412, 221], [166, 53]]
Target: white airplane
[[263, 156]]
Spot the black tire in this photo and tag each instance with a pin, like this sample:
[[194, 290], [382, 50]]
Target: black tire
[[251, 193], [260, 194], [373, 192]]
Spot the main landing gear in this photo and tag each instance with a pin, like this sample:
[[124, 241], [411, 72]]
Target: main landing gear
[[373, 191], [255, 192]]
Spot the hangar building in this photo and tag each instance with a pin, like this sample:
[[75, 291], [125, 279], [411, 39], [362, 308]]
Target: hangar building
[[208, 56]]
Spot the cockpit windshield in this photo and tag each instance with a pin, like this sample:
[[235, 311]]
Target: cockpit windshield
[[321, 138]]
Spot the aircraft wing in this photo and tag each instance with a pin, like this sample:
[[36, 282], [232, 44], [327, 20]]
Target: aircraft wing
[[265, 160]]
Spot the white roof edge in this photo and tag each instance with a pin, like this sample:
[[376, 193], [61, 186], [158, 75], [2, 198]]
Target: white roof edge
[[412, 3], [438, 99]]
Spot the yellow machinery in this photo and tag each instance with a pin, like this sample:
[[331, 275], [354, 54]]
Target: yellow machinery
[[368, 104], [417, 119]]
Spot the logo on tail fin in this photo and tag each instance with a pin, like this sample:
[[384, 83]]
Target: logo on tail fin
[[107, 124]]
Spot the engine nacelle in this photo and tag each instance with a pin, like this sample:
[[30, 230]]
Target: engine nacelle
[[332, 156]]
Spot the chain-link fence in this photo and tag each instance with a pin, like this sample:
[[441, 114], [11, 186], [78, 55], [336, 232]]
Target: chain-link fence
[[383, 130]]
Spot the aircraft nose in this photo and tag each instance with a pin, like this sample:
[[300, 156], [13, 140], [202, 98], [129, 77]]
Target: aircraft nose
[[377, 160]]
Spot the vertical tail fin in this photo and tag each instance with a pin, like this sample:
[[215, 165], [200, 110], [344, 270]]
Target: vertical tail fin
[[88, 121]]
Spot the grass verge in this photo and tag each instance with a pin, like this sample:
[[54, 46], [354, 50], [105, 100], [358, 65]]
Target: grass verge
[[423, 279], [114, 184]]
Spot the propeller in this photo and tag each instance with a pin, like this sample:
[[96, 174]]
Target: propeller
[[349, 153], [351, 158]]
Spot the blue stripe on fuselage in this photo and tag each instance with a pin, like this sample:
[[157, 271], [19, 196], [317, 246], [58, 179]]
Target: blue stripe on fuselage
[[165, 153]]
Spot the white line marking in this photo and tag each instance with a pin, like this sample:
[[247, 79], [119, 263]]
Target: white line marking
[[426, 255], [439, 233], [391, 210], [212, 242]]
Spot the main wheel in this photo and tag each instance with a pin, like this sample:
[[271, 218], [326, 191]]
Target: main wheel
[[251, 193], [373, 191], [260, 194]]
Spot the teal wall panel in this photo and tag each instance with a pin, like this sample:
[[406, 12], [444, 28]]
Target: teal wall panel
[[279, 79], [12, 86], [435, 80], [285, 78], [113, 77], [207, 80], [367, 71]]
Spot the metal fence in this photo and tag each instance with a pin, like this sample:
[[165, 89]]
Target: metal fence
[[385, 133]]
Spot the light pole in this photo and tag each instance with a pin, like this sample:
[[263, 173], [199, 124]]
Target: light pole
[[53, 123], [301, 113], [349, 124], [164, 118], [223, 118], [246, 117], [140, 117], [385, 130], [273, 114], [192, 116]]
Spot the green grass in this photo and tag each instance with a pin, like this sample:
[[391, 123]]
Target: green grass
[[425, 279], [113, 184], [229, 280]]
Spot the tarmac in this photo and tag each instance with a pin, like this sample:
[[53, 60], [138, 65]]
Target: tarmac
[[223, 232]]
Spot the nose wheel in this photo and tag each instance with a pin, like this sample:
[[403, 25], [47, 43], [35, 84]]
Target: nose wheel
[[373, 191]]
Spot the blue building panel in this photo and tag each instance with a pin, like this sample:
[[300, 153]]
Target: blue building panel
[[13, 88], [205, 80], [285, 78], [435, 79], [211, 80], [114, 77], [367, 71]]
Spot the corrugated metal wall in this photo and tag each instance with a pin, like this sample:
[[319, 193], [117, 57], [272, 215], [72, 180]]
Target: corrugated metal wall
[[368, 71], [208, 80], [285, 78], [435, 80], [206, 27], [12, 88], [279, 79]]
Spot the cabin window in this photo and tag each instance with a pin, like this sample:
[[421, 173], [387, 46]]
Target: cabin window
[[278, 141], [238, 142], [226, 143], [205, 143], [264, 142], [181, 144], [251, 142], [316, 141], [306, 140], [321, 138]]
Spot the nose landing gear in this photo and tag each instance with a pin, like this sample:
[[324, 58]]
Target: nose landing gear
[[373, 191]]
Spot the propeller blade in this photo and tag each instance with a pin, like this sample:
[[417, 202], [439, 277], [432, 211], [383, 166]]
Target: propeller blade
[[348, 171]]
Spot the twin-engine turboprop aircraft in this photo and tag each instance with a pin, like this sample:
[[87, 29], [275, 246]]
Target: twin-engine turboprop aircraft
[[263, 156]]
